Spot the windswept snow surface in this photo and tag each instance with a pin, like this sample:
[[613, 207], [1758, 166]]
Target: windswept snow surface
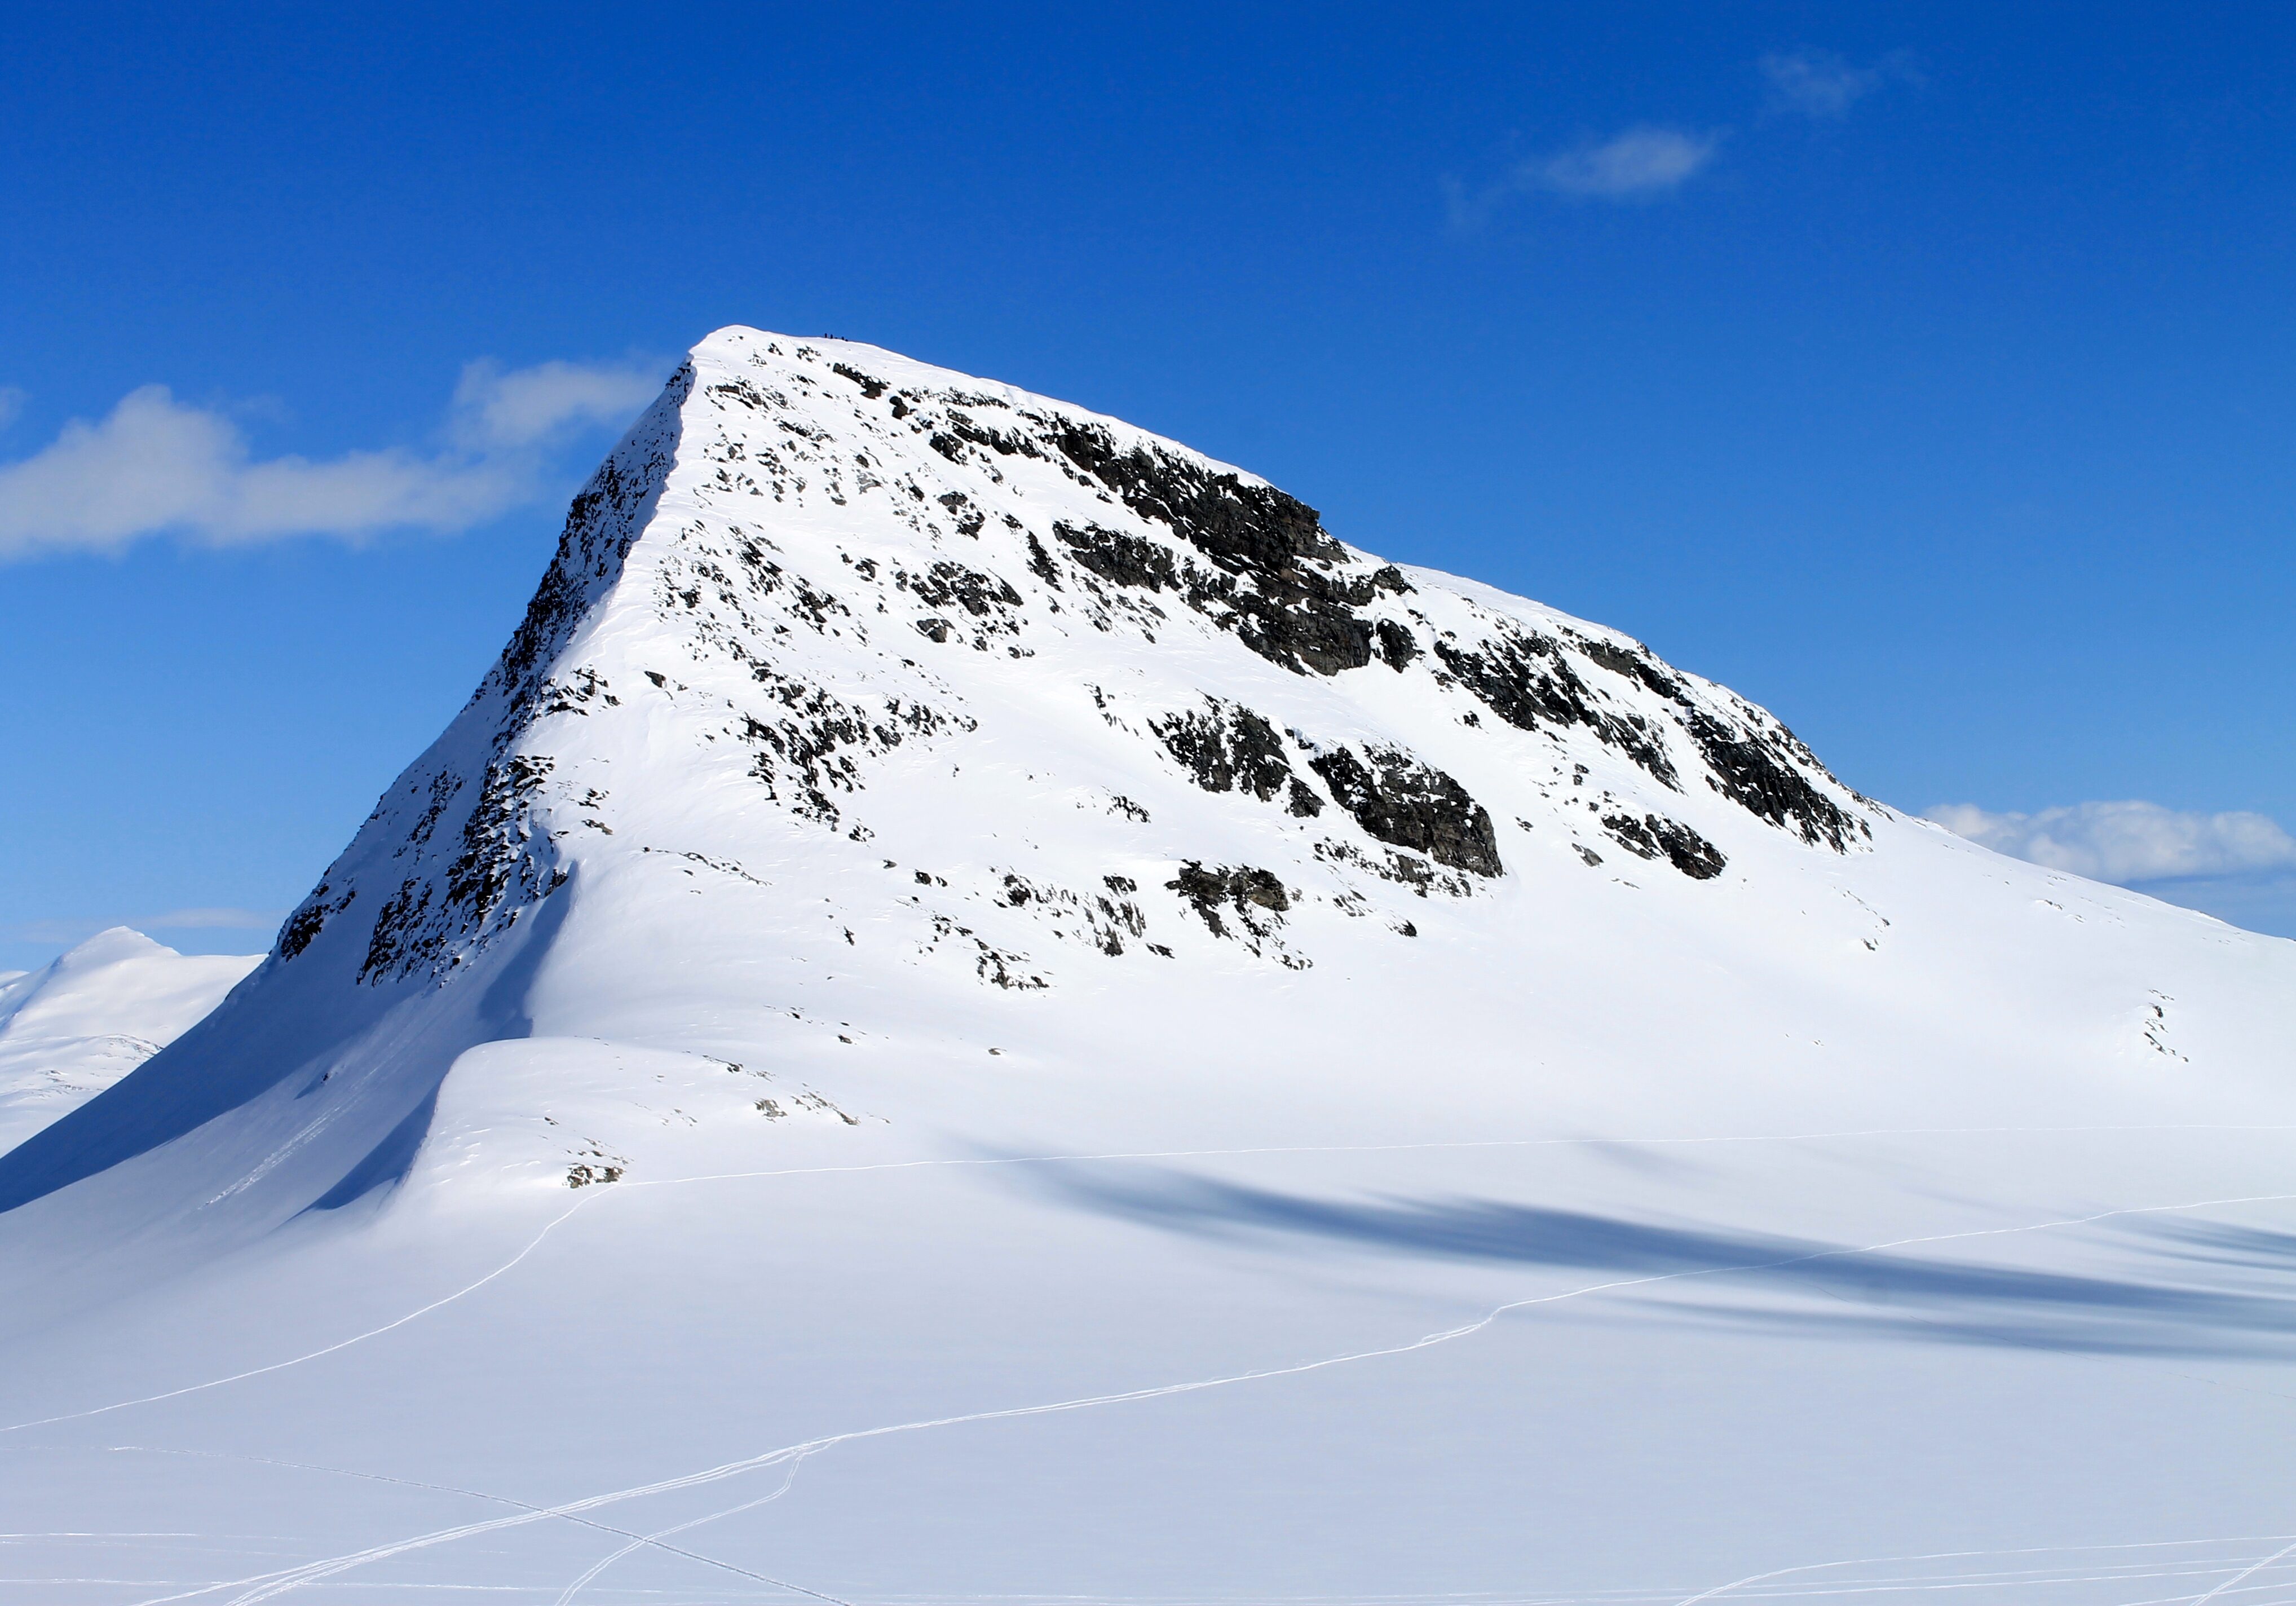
[[977, 1010], [73, 1028]]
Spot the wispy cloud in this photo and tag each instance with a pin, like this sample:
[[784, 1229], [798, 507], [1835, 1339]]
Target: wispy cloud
[[494, 410], [2129, 842], [1640, 164], [1820, 84], [154, 465], [1648, 160]]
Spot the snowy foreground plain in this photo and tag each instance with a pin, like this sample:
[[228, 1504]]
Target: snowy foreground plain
[[978, 1012]]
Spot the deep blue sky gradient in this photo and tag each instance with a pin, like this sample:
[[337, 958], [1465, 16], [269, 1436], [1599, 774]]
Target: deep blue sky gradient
[[1956, 429]]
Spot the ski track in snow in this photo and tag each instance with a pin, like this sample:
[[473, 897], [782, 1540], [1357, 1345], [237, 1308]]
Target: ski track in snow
[[237, 1377], [1143, 1155], [2243, 1576], [271, 1585], [267, 1585], [637, 1541], [1980, 1580]]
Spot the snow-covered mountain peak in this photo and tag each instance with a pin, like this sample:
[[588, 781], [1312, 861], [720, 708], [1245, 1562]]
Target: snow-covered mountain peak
[[869, 703], [978, 1008], [814, 563], [80, 1023]]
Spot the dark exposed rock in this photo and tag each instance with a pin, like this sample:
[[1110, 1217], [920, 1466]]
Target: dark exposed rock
[[1396, 645], [1244, 891], [1121, 559], [1303, 802], [1272, 580], [303, 925], [1243, 527], [939, 630], [1652, 835], [807, 749], [1768, 785], [500, 868], [495, 834], [306, 923], [1003, 442], [1526, 681], [1305, 633], [1408, 869], [1226, 749], [1040, 563], [968, 518], [975, 592], [870, 387], [1399, 801], [1633, 665]]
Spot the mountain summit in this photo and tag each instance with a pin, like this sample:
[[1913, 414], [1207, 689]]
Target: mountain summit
[[816, 573], [935, 685], [966, 935]]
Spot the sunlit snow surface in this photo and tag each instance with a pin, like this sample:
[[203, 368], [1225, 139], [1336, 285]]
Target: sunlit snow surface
[[720, 1134], [73, 1028]]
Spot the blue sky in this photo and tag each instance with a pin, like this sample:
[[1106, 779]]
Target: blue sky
[[1921, 371]]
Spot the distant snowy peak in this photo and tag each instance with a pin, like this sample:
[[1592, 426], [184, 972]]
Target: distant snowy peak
[[811, 564], [73, 1028]]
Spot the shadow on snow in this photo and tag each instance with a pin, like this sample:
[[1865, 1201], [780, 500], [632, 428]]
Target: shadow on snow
[[1888, 1292]]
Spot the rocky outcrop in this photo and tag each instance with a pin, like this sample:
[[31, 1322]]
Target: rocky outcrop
[[1406, 804]]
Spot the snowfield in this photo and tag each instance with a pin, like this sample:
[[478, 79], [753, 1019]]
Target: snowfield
[[980, 1010]]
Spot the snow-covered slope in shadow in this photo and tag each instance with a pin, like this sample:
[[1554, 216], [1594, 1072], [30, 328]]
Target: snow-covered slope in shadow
[[981, 1006]]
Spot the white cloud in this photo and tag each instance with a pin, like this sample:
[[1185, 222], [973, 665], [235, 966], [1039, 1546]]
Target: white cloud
[[1820, 84], [494, 410], [1639, 162], [155, 466], [2125, 842]]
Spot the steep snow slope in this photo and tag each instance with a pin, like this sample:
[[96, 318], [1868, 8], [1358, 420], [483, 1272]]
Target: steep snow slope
[[977, 1007], [73, 1028]]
